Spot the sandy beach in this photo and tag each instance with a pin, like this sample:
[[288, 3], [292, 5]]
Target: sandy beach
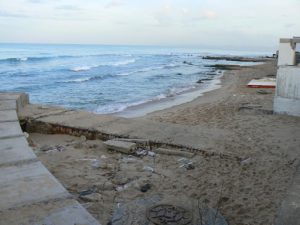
[[247, 181]]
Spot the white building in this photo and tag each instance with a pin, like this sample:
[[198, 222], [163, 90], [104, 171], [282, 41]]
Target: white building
[[287, 96]]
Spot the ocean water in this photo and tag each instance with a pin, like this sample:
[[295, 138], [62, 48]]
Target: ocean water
[[104, 79]]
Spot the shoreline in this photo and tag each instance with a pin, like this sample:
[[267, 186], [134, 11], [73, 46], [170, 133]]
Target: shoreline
[[189, 95], [152, 106]]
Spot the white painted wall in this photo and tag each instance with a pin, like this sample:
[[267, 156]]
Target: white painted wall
[[287, 96], [288, 82], [286, 54]]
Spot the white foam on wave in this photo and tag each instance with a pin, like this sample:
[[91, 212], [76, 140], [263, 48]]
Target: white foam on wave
[[80, 80], [116, 107], [81, 68], [23, 59], [86, 68], [123, 63]]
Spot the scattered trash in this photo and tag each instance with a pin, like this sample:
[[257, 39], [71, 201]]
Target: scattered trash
[[86, 192], [152, 154], [141, 152], [123, 187], [96, 164], [129, 159], [246, 161], [148, 168], [47, 148], [82, 138], [145, 187], [186, 163]]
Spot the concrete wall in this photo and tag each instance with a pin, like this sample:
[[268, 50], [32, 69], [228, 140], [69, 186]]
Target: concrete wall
[[287, 97], [286, 53]]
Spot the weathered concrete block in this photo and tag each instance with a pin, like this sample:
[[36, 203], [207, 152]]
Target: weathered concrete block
[[8, 105], [120, 146], [143, 142], [63, 212], [9, 96], [27, 184], [10, 129], [8, 116], [15, 149]]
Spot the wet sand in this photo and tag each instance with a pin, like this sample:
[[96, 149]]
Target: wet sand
[[246, 191]]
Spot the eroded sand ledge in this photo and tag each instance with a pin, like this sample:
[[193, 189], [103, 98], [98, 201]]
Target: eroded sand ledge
[[239, 144]]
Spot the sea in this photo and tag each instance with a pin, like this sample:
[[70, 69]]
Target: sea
[[107, 79]]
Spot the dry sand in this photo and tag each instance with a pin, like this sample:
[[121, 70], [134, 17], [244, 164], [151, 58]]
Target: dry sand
[[246, 192]]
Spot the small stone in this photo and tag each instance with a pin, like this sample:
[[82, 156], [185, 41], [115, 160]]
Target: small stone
[[82, 138], [46, 148], [26, 134], [145, 187], [94, 197]]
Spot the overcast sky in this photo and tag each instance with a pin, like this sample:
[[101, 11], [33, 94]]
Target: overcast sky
[[236, 24]]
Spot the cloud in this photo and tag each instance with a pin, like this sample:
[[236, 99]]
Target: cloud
[[10, 14], [289, 25], [68, 7], [209, 15], [185, 11], [114, 3], [36, 1]]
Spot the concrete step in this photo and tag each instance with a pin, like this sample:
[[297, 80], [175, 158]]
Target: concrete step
[[10, 129], [60, 212], [8, 116], [27, 184], [8, 105], [13, 150]]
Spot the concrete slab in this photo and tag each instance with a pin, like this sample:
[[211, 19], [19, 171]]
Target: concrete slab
[[63, 212], [15, 149], [9, 96], [10, 129], [8, 105], [120, 146], [8, 116], [27, 184]]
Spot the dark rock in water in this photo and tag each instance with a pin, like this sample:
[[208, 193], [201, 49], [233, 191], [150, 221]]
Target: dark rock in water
[[178, 73], [225, 67], [188, 63], [235, 58], [202, 80], [145, 187], [166, 210]]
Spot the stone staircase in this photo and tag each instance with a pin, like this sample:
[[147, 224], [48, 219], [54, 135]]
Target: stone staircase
[[29, 193]]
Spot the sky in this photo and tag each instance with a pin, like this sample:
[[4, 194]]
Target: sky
[[235, 24]]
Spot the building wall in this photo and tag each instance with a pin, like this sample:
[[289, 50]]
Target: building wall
[[287, 97], [286, 54]]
